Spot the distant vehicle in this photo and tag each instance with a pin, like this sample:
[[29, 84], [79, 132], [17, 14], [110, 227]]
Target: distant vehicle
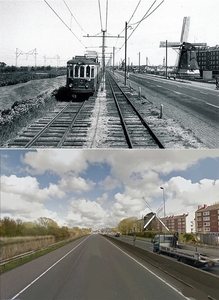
[[117, 234]]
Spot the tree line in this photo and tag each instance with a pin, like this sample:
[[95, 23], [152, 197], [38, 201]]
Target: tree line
[[42, 226]]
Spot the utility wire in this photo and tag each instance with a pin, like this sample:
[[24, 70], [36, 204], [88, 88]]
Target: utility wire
[[146, 15], [73, 16], [129, 19], [64, 23]]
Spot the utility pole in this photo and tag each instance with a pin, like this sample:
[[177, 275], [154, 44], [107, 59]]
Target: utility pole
[[166, 58], [103, 36], [139, 62], [125, 51], [113, 58], [20, 52]]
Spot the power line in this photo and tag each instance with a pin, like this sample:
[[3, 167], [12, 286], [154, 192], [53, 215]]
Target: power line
[[146, 15], [64, 23], [73, 16]]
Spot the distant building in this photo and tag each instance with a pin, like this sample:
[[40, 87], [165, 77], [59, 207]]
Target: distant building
[[207, 219], [174, 223], [208, 61]]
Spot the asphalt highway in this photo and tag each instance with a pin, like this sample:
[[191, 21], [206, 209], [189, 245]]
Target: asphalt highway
[[88, 268]]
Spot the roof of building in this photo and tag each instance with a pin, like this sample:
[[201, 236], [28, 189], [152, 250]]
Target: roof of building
[[206, 207]]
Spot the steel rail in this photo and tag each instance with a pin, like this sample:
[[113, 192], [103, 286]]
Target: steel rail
[[33, 140], [144, 123], [70, 126], [125, 129]]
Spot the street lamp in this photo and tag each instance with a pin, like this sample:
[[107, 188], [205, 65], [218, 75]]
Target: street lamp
[[162, 188]]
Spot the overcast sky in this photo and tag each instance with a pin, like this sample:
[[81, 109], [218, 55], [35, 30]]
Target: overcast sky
[[30, 24], [99, 188]]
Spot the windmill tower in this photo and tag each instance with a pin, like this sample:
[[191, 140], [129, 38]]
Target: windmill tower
[[154, 215], [186, 61]]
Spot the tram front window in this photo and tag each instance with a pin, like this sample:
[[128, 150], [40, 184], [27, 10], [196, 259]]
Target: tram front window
[[88, 71], [82, 71]]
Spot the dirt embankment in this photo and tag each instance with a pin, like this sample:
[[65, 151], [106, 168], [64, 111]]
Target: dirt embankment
[[22, 103], [28, 90]]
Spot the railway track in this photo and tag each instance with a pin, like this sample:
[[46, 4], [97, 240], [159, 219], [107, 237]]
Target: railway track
[[137, 132], [66, 126]]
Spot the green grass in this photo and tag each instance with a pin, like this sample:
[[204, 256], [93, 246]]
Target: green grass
[[11, 265]]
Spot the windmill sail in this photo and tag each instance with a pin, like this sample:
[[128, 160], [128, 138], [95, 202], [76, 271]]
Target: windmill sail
[[186, 60]]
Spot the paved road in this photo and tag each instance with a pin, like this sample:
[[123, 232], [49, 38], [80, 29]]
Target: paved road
[[194, 105], [89, 268]]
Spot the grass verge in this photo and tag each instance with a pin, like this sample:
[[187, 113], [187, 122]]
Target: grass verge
[[20, 261]]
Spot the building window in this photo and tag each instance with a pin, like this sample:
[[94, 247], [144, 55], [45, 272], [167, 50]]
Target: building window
[[199, 214], [206, 213], [206, 223], [206, 218]]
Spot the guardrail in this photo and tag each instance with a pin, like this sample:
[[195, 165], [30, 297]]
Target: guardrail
[[22, 255], [17, 257]]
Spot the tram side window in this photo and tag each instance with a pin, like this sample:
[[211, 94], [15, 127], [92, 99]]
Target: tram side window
[[92, 71], [82, 71], [70, 72], [88, 71], [76, 71]]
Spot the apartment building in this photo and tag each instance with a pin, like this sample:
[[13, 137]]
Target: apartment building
[[207, 219], [175, 223], [208, 61]]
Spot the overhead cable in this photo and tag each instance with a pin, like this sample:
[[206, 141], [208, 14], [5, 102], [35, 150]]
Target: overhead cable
[[73, 16], [64, 23]]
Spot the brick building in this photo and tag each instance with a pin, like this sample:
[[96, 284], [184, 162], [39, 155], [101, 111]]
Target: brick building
[[208, 61], [175, 223], [207, 219]]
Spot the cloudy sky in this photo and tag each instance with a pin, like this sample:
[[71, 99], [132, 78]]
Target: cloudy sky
[[45, 25], [99, 188]]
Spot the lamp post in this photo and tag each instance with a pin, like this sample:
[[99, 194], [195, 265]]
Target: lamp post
[[164, 213]]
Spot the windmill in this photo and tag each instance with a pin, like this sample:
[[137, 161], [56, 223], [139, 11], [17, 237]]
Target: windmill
[[186, 62], [154, 215]]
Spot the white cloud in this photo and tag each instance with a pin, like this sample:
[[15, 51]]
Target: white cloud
[[57, 161], [109, 183], [16, 207], [86, 213], [75, 184], [27, 187]]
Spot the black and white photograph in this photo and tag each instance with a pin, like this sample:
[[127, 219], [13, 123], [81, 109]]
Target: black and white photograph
[[109, 150]]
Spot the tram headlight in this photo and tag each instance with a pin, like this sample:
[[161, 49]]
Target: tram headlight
[[70, 85], [86, 86]]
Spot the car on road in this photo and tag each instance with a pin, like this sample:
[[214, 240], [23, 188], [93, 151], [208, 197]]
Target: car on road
[[117, 234]]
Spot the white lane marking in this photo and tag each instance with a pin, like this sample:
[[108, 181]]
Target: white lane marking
[[177, 93], [211, 105], [159, 86], [150, 271], [204, 93], [15, 297]]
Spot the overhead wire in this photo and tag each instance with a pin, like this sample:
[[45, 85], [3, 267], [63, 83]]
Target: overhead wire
[[73, 16], [129, 20], [146, 15], [64, 22]]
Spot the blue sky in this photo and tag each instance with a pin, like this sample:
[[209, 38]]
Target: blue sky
[[30, 24], [99, 188]]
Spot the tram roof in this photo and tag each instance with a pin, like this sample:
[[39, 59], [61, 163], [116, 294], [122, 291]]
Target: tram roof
[[83, 60]]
